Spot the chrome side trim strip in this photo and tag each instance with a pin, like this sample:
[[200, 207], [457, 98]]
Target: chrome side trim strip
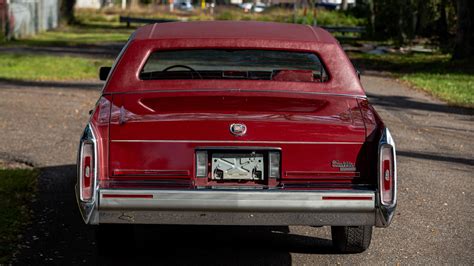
[[150, 172], [235, 141]]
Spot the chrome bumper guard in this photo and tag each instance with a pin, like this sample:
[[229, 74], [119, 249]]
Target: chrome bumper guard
[[236, 207]]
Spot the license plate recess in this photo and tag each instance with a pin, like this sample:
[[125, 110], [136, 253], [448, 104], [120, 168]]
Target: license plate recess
[[237, 166]]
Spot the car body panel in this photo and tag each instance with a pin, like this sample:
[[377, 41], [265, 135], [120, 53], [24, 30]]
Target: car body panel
[[147, 134], [270, 36], [149, 130]]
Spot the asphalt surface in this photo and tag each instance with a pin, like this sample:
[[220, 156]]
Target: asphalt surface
[[104, 50], [41, 124]]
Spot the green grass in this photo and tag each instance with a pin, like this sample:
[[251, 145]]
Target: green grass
[[110, 16], [72, 38], [86, 34], [17, 188], [96, 27], [452, 81], [99, 27], [324, 17], [457, 89], [45, 67]]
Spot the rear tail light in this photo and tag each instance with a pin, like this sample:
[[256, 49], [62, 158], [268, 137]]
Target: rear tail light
[[87, 170], [274, 164], [92, 159], [201, 163], [387, 170], [386, 174]]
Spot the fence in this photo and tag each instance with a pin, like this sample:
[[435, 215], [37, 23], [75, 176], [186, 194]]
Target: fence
[[28, 17]]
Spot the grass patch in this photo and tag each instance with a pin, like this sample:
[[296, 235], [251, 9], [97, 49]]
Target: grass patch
[[276, 14], [456, 89], [324, 17], [45, 67], [17, 188], [96, 27], [452, 81], [85, 34]]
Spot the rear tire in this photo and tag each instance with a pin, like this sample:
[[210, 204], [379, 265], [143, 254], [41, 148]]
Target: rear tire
[[351, 239]]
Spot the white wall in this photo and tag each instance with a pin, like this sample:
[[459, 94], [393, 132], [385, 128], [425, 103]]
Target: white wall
[[88, 4], [32, 16]]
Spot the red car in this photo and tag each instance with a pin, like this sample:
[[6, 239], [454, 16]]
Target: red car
[[237, 123]]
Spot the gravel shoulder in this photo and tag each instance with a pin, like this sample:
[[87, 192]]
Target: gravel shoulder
[[41, 125]]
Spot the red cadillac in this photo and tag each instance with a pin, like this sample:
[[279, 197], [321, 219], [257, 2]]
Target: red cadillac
[[237, 123]]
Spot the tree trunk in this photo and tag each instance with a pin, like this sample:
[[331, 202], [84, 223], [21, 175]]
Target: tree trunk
[[464, 42], [371, 18], [134, 4], [442, 23], [344, 5], [67, 11], [401, 30]]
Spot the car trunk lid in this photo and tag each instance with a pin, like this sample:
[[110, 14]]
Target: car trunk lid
[[154, 136]]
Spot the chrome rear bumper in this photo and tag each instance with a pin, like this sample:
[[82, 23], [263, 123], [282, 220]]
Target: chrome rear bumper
[[236, 207]]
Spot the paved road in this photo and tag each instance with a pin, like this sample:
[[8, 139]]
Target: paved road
[[105, 50], [41, 123]]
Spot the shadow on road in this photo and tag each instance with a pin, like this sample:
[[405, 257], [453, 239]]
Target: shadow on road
[[403, 102], [7, 83], [58, 235], [436, 157], [110, 50]]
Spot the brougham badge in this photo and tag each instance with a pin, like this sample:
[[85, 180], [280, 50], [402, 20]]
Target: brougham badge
[[343, 166], [238, 129]]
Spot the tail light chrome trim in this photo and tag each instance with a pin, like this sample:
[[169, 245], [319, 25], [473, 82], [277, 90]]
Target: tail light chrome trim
[[87, 205], [387, 181], [87, 170]]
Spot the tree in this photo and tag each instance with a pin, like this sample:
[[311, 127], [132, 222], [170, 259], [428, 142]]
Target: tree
[[371, 17], [464, 41], [344, 4], [67, 11], [134, 4]]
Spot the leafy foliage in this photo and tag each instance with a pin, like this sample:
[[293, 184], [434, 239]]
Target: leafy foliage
[[44, 67], [403, 20], [17, 187]]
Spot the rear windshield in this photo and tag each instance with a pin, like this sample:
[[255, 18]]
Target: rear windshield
[[234, 64]]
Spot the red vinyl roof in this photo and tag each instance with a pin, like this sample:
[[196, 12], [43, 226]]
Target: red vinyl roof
[[234, 35], [234, 30]]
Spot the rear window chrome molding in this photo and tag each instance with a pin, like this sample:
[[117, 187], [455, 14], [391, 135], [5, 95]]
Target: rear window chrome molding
[[133, 91], [318, 56], [88, 207], [385, 212], [296, 50]]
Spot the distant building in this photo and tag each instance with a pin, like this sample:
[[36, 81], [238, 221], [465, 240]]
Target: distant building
[[95, 4], [332, 4], [335, 4], [28, 17]]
